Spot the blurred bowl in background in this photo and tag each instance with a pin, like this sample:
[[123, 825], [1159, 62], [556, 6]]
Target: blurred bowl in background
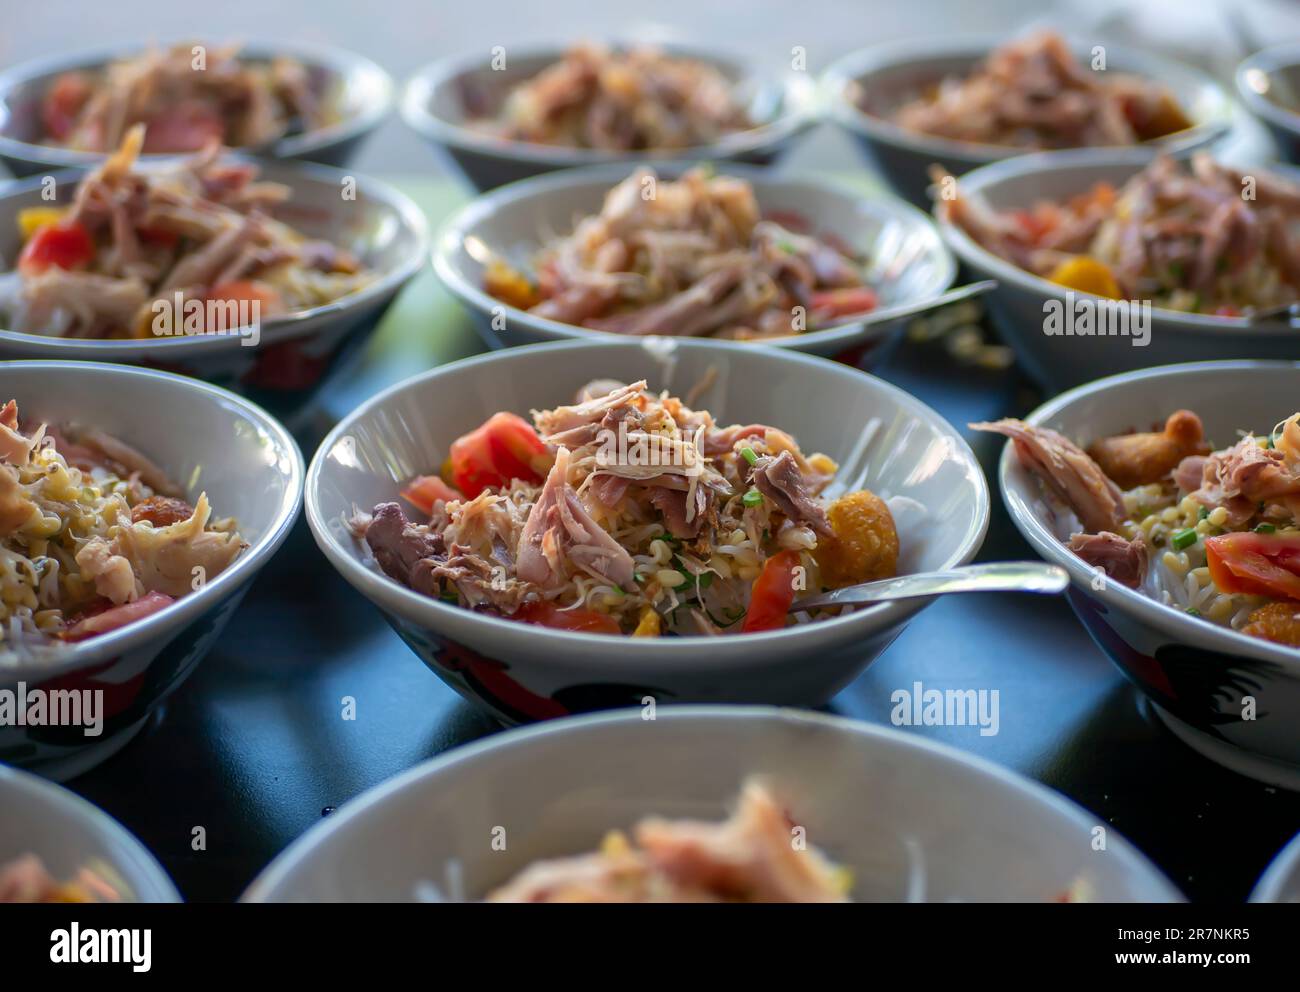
[[434, 100], [360, 89], [382, 226], [1268, 83], [864, 89], [907, 261], [1058, 361]]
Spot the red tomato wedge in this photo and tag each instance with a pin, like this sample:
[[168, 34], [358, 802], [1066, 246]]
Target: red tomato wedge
[[547, 614], [1258, 564], [504, 448], [62, 103], [118, 616], [425, 490], [66, 244], [773, 593], [185, 128], [845, 302]]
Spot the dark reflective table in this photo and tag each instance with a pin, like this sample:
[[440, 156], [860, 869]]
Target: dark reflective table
[[254, 748]]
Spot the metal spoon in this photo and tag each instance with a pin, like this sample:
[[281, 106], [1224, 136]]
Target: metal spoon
[[993, 576]]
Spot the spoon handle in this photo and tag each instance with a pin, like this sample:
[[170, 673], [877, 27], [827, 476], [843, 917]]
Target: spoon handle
[[994, 576]]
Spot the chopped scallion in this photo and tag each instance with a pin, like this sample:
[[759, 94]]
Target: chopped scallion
[[749, 454], [1264, 528], [752, 498], [1183, 539]]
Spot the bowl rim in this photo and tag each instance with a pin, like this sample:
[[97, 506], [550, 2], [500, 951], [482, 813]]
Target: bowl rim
[[70, 806], [1268, 61], [288, 326], [1167, 620], [346, 63], [979, 258], [800, 110], [1282, 871], [106, 647], [867, 735], [860, 65], [532, 188], [593, 650]]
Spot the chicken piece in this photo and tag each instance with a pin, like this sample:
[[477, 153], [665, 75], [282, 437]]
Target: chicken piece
[[1276, 622], [863, 545], [1067, 470], [781, 480], [171, 559], [558, 525], [748, 858], [111, 572], [1122, 560], [1141, 459]]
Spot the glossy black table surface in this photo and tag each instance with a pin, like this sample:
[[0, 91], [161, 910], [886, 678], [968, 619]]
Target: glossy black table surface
[[254, 749]]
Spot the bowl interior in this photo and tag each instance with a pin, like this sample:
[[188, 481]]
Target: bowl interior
[[478, 91], [882, 438], [346, 86], [906, 259], [202, 437], [67, 833], [874, 799], [881, 81], [1229, 397], [372, 226]]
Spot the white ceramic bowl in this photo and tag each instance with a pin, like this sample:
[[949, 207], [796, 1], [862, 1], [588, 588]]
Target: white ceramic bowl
[[523, 671], [1194, 671], [362, 90], [382, 226], [1281, 880], [864, 89], [208, 440], [1268, 83], [67, 833], [908, 260], [434, 105], [1017, 304], [865, 795]]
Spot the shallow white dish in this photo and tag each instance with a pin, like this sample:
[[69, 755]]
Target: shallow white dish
[[898, 810], [1281, 879], [881, 437]]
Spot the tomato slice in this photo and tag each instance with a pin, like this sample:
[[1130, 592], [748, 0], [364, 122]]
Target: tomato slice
[[63, 101], [773, 593], [66, 244], [845, 302], [547, 614], [1258, 564], [118, 616], [504, 448], [425, 490]]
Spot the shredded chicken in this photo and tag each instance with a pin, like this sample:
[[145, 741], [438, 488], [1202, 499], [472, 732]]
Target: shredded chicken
[[747, 858], [636, 100], [691, 258], [187, 96], [1034, 93]]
